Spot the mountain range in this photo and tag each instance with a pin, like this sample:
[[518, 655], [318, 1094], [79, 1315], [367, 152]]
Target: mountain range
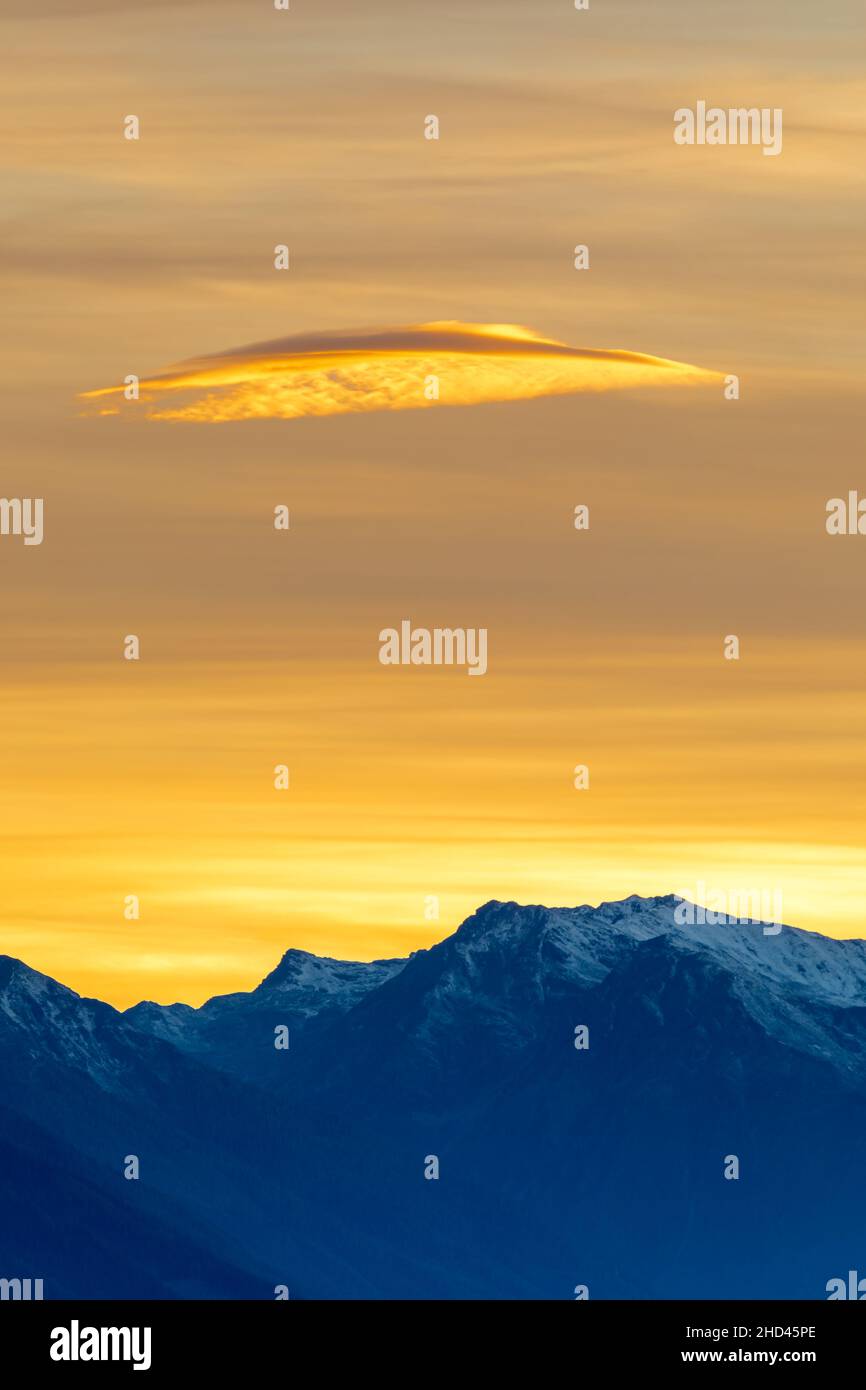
[[560, 1165]]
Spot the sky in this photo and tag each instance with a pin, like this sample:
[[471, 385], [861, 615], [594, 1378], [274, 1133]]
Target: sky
[[259, 647]]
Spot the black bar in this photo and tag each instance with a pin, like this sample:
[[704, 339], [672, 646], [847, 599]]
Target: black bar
[[307, 1338]]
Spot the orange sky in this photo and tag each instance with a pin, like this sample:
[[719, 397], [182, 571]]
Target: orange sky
[[260, 647]]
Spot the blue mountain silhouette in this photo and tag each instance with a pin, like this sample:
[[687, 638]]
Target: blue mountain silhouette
[[558, 1166]]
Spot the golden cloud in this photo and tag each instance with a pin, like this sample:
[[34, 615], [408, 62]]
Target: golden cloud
[[387, 369]]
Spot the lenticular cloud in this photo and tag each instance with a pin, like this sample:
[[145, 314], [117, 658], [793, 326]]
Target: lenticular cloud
[[429, 364]]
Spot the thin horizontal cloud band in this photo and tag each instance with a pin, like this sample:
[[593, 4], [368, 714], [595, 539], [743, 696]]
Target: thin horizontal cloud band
[[404, 368]]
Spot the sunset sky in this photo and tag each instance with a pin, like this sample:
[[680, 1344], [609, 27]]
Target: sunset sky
[[260, 647]]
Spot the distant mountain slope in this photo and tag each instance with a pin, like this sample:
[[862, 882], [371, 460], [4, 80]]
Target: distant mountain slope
[[236, 1031], [558, 1165]]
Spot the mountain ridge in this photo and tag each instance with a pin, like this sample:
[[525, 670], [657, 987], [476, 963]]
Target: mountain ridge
[[559, 1163], [609, 912]]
